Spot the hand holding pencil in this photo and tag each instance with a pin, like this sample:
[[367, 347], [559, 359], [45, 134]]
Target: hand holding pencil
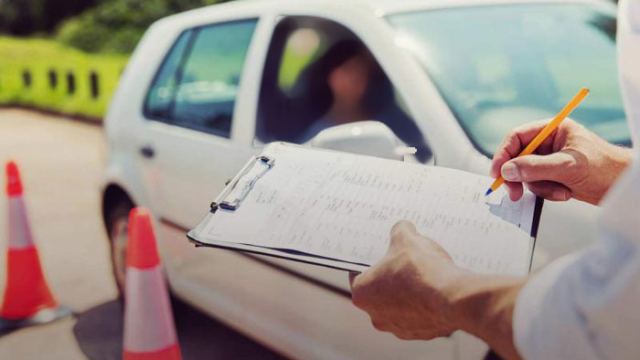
[[571, 162], [545, 132]]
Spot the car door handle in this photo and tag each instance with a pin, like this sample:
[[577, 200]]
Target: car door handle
[[147, 151]]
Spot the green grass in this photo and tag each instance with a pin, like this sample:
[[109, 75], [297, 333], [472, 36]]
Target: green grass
[[39, 57]]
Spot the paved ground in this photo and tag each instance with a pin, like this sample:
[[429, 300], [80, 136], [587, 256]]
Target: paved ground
[[61, 163]]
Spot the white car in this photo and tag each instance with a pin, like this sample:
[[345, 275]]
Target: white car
[[206, 89]]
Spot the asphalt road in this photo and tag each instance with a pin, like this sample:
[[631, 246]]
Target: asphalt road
[[61, 163]]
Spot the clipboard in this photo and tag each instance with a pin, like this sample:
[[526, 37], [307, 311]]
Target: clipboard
[[231, 199]]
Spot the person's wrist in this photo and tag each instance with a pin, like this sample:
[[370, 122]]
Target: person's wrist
[[453, 291], [620, 157], [483, 306], [617, 159]]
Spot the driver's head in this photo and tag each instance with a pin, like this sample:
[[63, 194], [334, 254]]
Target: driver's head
[[347, 67], [349, 81]]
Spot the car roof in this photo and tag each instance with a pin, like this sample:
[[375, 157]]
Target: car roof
[[376, 8], [394, 6]]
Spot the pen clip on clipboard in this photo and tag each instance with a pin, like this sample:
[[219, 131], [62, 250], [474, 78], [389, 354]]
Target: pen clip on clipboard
[[238, 189]]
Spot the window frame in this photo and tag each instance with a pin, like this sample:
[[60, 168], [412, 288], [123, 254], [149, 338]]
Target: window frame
[[401, 101], [145, 106], [192, 33]]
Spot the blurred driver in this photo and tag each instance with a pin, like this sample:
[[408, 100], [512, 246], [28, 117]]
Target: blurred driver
[[341, 78]]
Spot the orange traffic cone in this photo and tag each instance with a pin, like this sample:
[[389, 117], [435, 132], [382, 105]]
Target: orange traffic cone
[[27, 298], [149, 331]]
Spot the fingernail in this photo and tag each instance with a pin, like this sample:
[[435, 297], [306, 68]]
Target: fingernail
[[510, 172], [561, 195]]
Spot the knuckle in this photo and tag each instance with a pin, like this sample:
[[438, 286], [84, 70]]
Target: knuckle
[[358, 295], [410, 259], [378, 325], [407, 262], [512, 136], [402, 258], [401, 232], [352, 278], [510, 141], [569, 123], [569, 163], [404, 336], [397, 237], [358, 300], [400, 228], [527, 163], [576, 165]]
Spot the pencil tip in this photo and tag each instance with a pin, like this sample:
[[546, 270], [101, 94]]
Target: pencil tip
[[489, 191]]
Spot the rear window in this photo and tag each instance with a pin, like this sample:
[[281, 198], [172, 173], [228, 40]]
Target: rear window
[[197, 85]]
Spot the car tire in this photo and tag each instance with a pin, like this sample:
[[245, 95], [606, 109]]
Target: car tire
[[117, 221]]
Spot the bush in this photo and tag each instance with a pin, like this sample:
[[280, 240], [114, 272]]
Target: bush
[[118, 25], [46, 75], [82, 34]]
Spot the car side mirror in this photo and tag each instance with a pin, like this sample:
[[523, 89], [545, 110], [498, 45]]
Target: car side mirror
[[363, 137]]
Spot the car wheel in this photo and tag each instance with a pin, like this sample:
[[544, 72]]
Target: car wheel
[[117, 227]]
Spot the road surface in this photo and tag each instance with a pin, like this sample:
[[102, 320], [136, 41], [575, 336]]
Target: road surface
[[61, 162]]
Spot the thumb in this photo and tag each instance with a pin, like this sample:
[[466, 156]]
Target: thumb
[[401, 235], [553, 167], [352, 277]]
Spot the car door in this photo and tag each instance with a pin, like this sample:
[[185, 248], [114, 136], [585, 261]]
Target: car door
[[192, 145], [289, 92], [296, 42]]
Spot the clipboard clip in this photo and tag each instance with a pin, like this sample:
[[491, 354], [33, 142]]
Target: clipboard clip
[[240, 187]]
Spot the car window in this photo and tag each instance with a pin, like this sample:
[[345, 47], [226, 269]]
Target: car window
[[511, 64], [160, 96], [319, 74], [203, 86]]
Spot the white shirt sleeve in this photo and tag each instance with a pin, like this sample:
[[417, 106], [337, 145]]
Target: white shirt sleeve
[[587, 305]]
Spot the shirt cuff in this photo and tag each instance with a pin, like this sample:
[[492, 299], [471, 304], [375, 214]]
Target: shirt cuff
[[546, 324]]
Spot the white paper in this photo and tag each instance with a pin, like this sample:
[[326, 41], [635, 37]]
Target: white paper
[[343, 206]]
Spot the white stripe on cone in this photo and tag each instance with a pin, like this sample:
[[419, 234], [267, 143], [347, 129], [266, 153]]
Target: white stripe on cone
[[148, 318], [19, 232]]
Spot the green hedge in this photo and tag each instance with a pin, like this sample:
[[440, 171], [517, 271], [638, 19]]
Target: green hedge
[[26, 66]]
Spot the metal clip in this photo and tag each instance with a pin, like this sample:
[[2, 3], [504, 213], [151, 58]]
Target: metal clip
[[240, 188]]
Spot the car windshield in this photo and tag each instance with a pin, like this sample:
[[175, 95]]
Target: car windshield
[[500, 66]]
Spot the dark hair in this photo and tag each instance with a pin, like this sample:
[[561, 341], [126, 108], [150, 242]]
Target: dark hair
[[316, 77], [338, 54]]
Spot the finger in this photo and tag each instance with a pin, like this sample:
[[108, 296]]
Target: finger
[[515, 190], [513, 144], [379, 325], [437, 248], [358, 292], [556, 167], [550, 190], [403, 335], [401, 232], [352, 277]]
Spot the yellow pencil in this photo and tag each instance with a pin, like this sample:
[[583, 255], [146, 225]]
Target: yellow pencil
[[545, 132]]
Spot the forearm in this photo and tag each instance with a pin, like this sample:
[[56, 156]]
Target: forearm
[[483, 306], [619, 158], [608, 168]]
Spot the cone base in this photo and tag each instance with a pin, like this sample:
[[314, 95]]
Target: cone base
[[170, 353], [43, 316]]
